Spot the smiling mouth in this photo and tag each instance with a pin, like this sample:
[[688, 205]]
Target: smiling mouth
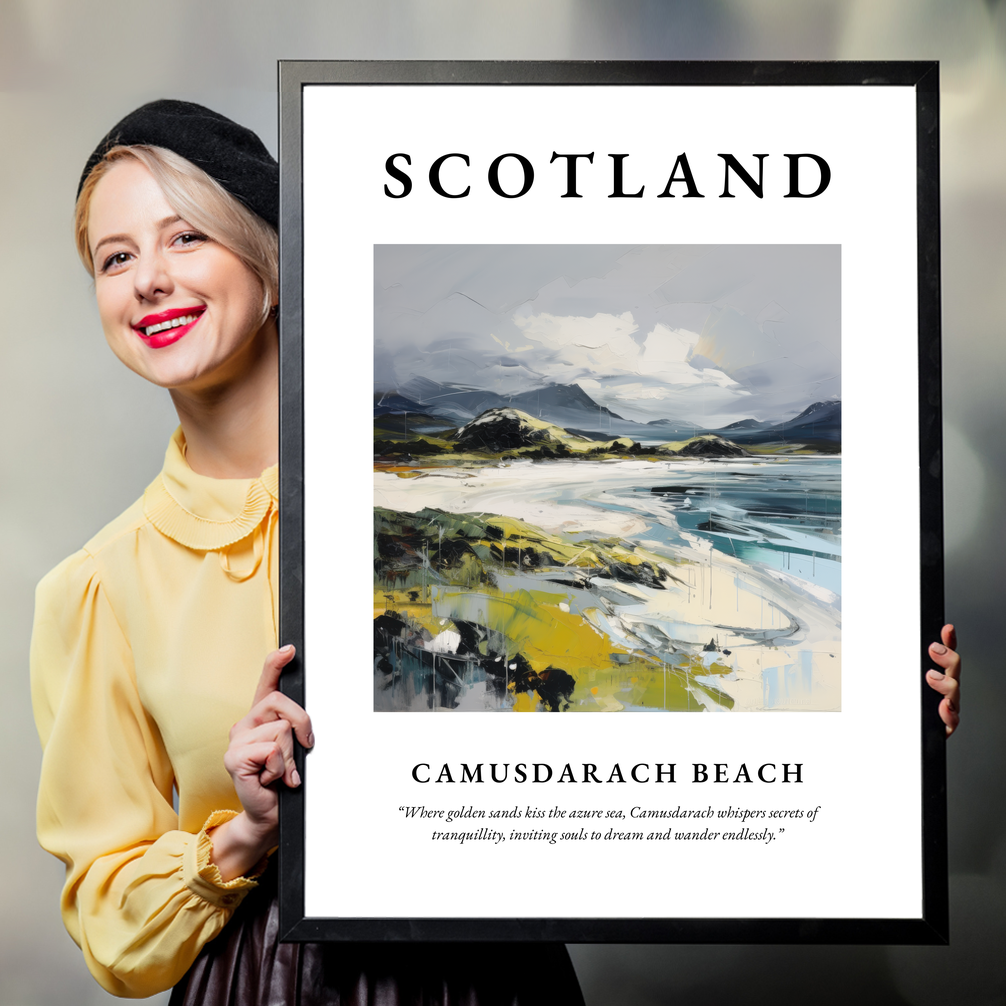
[[185, 319], [167, 322]]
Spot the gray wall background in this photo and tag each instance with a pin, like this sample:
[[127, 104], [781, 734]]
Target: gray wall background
[[82, 436]]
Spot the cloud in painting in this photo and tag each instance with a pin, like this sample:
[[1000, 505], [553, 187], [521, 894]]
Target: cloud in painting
[[710, 334], [629, 376]]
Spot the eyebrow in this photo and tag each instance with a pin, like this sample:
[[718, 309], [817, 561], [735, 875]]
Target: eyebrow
[[111, 238]]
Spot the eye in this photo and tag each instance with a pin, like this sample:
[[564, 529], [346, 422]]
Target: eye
[[115, 261], [189, 239]]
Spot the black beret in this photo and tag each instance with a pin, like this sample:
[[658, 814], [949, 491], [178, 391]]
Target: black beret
[[231, 154]]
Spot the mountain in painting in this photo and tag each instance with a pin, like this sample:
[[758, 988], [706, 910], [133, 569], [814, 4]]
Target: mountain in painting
[[391, 403], [424, 406], [562, 404], [748, 424], [555, 399], [822, 420], [818, 427], [565, 405]]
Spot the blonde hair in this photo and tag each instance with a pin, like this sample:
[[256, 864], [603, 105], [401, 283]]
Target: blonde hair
[[199, 200]]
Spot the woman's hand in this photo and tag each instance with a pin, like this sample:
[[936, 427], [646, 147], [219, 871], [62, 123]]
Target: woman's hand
[[948, 681], [260, 753]]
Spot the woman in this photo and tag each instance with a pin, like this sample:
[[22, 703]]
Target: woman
[[148, 643]]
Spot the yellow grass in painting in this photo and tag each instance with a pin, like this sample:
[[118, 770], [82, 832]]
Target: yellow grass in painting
[[608, 677]]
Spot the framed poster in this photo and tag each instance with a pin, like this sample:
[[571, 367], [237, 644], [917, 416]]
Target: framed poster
[[651, 352]]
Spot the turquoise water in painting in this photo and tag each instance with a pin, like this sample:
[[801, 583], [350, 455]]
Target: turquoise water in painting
[[784, 513]]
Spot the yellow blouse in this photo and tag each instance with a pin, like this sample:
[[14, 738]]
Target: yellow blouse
[[147, 647]]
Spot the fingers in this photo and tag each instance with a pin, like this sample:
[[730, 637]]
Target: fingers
[[271, 671], [277, 706], [265, 751], [944, 684], [947, 681], [949, 687], [949, 636], [950, 716], [281, 766], [262, 761], [270, 703], [949, 713], [944, 655], [261, 749]]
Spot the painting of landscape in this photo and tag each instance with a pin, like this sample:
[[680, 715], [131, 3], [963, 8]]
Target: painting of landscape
[[607, 478]]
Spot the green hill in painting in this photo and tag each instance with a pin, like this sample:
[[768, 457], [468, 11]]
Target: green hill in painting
[[507, 433]]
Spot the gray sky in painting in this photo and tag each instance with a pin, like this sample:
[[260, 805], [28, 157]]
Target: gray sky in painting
[[710, 334]]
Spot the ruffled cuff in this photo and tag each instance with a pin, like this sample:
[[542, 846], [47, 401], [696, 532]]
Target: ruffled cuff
[[203, 878]]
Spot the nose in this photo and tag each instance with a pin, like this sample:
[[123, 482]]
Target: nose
[[152, 276]]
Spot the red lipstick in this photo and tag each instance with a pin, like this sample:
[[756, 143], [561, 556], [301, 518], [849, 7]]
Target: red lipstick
[[165, 332]]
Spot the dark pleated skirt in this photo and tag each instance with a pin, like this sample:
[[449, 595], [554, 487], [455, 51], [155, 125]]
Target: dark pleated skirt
[[246, 965]]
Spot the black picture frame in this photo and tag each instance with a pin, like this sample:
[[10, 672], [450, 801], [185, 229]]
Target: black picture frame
[[931, 927]]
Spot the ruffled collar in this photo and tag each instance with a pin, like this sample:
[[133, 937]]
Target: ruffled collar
[[203, 513]]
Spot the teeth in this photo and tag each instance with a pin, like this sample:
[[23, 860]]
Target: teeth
[[174, 323]]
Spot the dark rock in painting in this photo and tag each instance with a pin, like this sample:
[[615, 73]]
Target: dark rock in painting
[[643, 573], [386, 628], [404, 448], [499, 430], [712, 447], [553, 685]]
